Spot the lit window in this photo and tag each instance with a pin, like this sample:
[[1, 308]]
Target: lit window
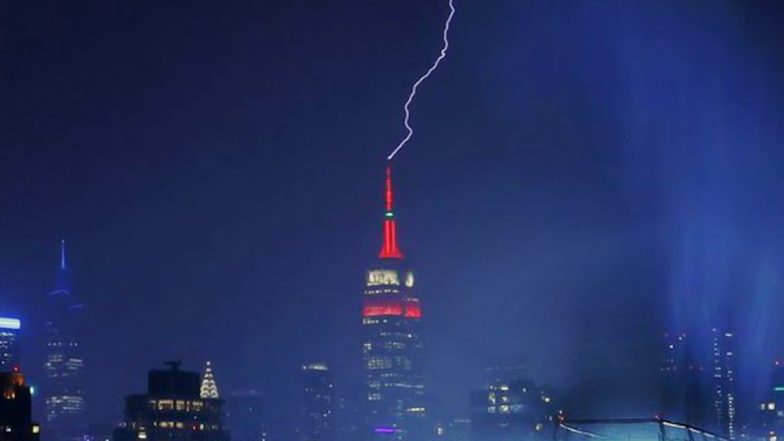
[[166, 405]]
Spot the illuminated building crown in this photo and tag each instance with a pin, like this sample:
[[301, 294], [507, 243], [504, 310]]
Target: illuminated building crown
[[389, 248], [209, 389]]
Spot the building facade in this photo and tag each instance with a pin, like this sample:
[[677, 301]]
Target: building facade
[[768, 424], [172, 409], [511, 407], [9, 343], [723, 381], [64, 366], [392, 345], [16, 409], [318, 403], [698, 380]]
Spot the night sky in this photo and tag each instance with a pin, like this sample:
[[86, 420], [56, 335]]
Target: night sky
[[585, 175]]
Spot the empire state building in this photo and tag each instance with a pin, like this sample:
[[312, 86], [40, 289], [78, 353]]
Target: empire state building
[[392, 344]]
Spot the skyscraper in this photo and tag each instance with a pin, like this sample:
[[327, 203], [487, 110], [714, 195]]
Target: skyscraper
[[318, 403], [682, 375], [63, 386], [9, 343], [698, 374], [723, 373], [392, 345]]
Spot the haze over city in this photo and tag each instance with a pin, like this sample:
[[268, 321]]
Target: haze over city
[[584, 178]]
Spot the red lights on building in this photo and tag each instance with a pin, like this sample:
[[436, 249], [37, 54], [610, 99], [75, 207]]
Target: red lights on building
[[387, 309], [413, 310], [388, 196], [391, 342], [389, 249], [392, 308]]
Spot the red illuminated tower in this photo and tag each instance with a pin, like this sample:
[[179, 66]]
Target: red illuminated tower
[[392, 345], [389, 248]]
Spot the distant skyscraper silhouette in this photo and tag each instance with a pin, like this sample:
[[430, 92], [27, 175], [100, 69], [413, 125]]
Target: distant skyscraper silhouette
[[392, 344], [318, 403], [64, 366], [682, 375], [723, 375], [698, 374]]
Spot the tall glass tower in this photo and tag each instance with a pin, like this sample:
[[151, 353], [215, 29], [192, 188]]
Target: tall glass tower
[[63, 362], [392, 345], [722, 345]]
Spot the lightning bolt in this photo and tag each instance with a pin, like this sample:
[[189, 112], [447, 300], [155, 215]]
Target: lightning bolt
[[406, 111]]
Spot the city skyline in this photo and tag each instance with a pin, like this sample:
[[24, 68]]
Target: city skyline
[[582, 180]]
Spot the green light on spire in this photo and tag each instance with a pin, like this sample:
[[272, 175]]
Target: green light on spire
[[389, 214]]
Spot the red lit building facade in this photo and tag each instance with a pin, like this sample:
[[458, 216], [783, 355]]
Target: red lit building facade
[[392, 344]]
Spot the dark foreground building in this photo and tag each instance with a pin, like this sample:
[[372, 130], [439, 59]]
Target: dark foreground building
[[768, 423], [16, 409], [172, 409], [513, 410], [392, 344]]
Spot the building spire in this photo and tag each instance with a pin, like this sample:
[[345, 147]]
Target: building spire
[[209, 389], [388, 194], [389, 248], [62, 283], [62, 255]]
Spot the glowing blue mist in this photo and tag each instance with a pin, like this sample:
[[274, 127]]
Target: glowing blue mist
[[703, 160]]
